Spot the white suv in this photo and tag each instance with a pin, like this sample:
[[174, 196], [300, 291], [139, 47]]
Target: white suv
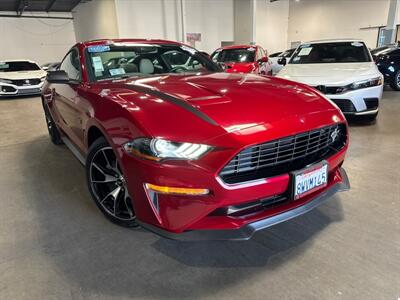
[[343, 70], [20, 77]]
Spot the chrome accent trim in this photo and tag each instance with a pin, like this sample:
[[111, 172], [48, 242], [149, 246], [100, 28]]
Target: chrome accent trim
[[74, 150], [367, 112], [241, 185]]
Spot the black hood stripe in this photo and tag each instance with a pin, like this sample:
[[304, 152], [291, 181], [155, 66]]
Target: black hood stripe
[[173, 100]]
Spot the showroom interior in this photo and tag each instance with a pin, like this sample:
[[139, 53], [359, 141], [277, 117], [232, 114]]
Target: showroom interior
[[212, 219]]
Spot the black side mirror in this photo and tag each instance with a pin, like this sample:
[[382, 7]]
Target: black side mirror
[[57, 77], [282, 61]]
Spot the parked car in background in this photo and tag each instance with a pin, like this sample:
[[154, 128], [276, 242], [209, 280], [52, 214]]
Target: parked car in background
[[50, 66], [20, 77], [343, 70], [276, 67], [388, 62], [275, 54], [193, 153], [243, 59]]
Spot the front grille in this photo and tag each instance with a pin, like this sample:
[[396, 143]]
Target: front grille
[[371, 103], [331, 90], [345, 105], [250, 207], [22, 82], [28, 91], [285, 155]]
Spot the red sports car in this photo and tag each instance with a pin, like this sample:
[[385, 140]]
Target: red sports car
[[187, 151], [243, 59]]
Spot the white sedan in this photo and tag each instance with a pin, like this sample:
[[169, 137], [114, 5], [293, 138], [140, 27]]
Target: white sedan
[[20, 77], [343, 70]]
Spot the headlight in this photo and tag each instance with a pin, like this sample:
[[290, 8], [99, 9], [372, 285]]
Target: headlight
[[158, 149], [5, 81], [366, 83], [42, 78]]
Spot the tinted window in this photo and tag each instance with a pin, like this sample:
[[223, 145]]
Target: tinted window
[[235, 55], [16, 66], [70, 65], [340, 52]]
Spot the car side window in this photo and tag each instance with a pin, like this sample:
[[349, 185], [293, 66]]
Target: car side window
[[260, 53], [70, 65]]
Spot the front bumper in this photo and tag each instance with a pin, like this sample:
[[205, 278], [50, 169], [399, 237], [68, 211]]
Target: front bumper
[[175, 215], [247, 231], [9, 90], [358, 102]]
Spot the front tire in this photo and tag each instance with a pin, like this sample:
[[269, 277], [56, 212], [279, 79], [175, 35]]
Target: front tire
[[396, 82], [107, 184]]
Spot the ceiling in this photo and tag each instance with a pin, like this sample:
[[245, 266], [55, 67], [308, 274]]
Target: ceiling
[[21, 6]]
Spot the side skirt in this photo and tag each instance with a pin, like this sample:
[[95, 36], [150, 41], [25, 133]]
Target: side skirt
[[74, 150]]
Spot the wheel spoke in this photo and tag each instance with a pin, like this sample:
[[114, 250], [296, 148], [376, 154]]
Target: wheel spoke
[[108, 179], [101, 170], [126, 199], [114, 193], [105, 157]]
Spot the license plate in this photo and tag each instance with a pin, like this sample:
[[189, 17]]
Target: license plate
[[310, 180]]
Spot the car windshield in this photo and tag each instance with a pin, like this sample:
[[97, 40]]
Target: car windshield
[[287, 53], [129, 60], [15, 66], [337, 52], [234, 55]]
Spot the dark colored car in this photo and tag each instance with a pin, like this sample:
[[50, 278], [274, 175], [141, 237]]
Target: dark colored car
[[388, 61], [188, 151]]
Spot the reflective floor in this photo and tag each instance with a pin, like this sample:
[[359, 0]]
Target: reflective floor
[[55, 244]]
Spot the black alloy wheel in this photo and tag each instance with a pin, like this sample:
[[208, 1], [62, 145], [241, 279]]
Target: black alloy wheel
[[107, 184]]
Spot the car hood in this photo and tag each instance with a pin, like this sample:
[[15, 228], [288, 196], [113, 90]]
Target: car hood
[[329, 74], [234, 67], [22, 75], [205, 106]]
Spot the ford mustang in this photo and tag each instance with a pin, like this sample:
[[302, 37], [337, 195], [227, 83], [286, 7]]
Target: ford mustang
[[186, 150]]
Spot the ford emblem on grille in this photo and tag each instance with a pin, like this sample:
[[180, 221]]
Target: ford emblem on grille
[[335, 134]]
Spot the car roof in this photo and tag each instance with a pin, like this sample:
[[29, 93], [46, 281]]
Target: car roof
[[18, 60], [238, 47], [134, 41], [333, 41]]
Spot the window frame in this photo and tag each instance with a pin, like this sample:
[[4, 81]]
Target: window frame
[[79, 65]]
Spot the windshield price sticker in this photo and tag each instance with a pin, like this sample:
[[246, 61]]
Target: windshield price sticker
[[118, 71], [98, 48], [305, 51], [97, 64]]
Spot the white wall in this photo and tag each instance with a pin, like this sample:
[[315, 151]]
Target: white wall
[[272, 25], [41, 40], [162, 19], [148, 19], [95, 20], [213, 19], [311, 20], [243, 21]]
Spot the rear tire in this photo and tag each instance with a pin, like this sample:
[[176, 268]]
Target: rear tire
[[107, 184], [54, 133], [396, 82]]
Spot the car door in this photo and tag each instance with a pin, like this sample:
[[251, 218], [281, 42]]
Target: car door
[[67, 102]]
